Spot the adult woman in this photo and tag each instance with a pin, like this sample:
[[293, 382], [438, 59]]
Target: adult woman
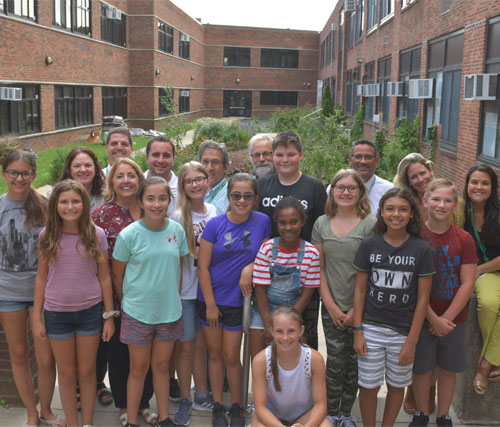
[[337, 235], [415, 173], [121, 209], [482, 211], [22, 215]]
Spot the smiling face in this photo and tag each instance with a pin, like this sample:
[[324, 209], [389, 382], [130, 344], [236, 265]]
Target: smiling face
[[262, 157], [289, 226], [118, 146], [396, 213], [287, 160], [125, 182], [479, 187], [440, 204], [82, 169], [349, 196], [154, 202], [195, 185], [69, 207], [286, 332], [18, 187], [419, 177], [364, 160], [160, 159], [213, 160], [240, 191]]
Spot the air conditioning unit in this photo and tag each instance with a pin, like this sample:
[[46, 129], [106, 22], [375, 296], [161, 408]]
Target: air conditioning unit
[[420, 88], [335, 27], [371, 90], [11, 93], [359, 90], [184, 93], [184, 38], [395, 88], [110, 12], [350, 5], [481, 87], [117, 15]]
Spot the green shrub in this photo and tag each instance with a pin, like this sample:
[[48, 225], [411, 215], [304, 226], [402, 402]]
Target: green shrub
[[140, 159], [219, 130], [339, 115], [357, 124], [57, 166], [326, 103], [288, 119]]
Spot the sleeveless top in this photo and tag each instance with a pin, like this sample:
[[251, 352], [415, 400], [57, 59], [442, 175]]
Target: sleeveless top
[[296, 396]]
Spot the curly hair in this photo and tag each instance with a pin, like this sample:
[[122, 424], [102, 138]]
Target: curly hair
[[97, 182]]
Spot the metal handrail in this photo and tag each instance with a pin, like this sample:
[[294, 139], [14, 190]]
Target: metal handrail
[[246, 354], [310, 114]]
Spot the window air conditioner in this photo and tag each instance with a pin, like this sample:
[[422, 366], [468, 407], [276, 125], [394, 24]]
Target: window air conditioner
[[371, 90], [184, 93], [335, 27], [359, 90], [420, 88], [184, 38], [395, 88], [117, 15], [350, 5], [481, 87], [110, 12], [11, 93]]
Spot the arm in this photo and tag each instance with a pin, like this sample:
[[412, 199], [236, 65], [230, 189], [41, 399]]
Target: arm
[[117, 273], [467, 278], [408, 350], [264, 415], [40, 284], [204, 260], [439, 325], [246, 280], [263, 305], [318, 412], [359, 307], [488, 267], [107, 295], [305, 296]]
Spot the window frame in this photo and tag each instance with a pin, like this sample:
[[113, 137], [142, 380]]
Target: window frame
[[239, 54], [278, 58], [27, 112], [72, 9], [28, 9], [372, 15], [279, 98], [74, 106], [184, 100], [117, 28], [165, 37], [388, 7], [184, 46], [118, 98]]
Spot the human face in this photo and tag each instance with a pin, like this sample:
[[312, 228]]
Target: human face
[[479, 187], [125, 182], [18, 187], [118, 146], [69, 206], [212, 159], [289, 226], [155, 203], [160, 159], [346, 198], [82, 169], [195, 191], [262, 158], [440, 203], [242, 207], [287, 160], [419, 177], [396, 213], [363, 160], [286, 332]]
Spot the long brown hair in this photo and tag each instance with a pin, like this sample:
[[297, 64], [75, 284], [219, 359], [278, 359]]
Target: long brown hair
[[97, 182], [35, 205], [50, 239], [363, 207]]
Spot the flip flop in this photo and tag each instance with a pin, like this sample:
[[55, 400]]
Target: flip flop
[[124, 419], [480, 386], [104, 396], [25, 424], [494, 374], [149, 416], [58, 421]]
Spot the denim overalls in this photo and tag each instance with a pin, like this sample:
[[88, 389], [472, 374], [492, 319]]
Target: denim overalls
[[285, 285]]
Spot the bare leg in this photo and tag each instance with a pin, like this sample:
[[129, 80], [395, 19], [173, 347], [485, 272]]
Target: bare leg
[[368, 405], [200, 363], [393, 403], [257, 342], [160, 358], [140, 359], [213, 336], [232, 343], [184, 355], [304, 418], [446, 387], [421, 388], [86, 354]]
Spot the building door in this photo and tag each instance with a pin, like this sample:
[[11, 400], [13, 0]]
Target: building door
[[237, 103]]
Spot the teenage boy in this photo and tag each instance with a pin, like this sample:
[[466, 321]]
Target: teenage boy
[[290, 181]]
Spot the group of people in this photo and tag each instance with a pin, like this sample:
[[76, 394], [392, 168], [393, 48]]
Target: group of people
[[146, 274]]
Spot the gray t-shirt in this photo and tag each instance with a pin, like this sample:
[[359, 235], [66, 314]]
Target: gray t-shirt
[[18, 252], [339, 255]]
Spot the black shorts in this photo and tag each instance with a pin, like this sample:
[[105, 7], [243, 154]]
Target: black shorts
[[231, 318]]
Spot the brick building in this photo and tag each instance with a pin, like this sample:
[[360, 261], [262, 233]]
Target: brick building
[[382, 41], [79, 60]]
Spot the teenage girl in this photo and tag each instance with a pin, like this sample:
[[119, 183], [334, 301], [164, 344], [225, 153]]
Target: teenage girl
[[289, 377], [337, 235], [395, 269], [72, 283], [285, 272], [22, 216], [147, 266], [228, 247], [193, 214]]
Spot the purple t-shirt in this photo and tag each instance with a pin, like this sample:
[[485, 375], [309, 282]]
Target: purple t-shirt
[[72, 282], [235, 246]]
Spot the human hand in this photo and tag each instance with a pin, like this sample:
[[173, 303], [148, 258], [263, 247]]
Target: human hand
[[349, 318], [360, 344], [108, 329], [213, 313], [246, 282], [407, 354], [441, 326], [38, 330]]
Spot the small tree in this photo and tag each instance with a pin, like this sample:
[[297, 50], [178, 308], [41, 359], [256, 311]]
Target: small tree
[[326, 103], [357, 124], [339, 116], [175, 127]]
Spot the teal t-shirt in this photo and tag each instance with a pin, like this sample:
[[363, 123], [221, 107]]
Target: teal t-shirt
[[152, 276]]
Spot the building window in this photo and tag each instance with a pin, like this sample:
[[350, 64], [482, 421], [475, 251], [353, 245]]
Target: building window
[[445, 67], [368, 101], [445, 5], [72, 15], [114, 101], [113, 25], [279, 58], [73, 106], [322, 63], [21, 117], [352, 25], [237, 57], [165, 37], [183, 101], [352, 98], [490, 120], [383, 77], [333, 45], [405, 3], [183, 45], [360, 24], [386, 9], [328, 53], [278, 98], [409, 68], [372, 14], [22, 8]]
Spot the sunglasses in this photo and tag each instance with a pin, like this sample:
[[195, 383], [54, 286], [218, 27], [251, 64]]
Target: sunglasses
[[237, 196]]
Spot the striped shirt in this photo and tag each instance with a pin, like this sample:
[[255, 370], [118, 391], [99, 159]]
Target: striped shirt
[[309, 272]]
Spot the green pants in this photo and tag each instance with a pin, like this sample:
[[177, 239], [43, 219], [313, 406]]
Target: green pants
[[488, 311]]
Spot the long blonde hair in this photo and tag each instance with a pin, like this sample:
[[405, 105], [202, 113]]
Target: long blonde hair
[[50, 239], [184, 202], [363, 206], [401, 179], [109, 192]]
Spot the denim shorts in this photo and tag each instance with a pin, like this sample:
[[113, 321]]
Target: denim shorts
[[6, 306], [191, 320], [61, 325]]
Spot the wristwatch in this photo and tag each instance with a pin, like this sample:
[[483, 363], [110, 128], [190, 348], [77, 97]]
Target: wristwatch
[[357, 328], [108, 314]]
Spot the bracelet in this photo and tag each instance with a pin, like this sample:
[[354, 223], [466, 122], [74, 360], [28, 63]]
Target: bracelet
[[357, 328], [108, 314]]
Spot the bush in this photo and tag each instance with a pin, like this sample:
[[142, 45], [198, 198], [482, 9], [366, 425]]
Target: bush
[[57, 166], [357, 124], [326, 103], [288, 119], [218, 130]]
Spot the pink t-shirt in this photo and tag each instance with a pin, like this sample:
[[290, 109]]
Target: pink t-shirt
[[72, 282]]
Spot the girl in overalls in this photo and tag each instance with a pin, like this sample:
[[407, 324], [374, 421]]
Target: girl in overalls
[[285, 272]]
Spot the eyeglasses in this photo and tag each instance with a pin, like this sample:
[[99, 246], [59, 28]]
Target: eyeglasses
[[214, 162], [13, 174], [198, 180], [349, 188], [237, 196], [265, 154], [367, 157]]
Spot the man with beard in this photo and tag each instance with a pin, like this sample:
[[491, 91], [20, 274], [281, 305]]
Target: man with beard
[[261, 154]]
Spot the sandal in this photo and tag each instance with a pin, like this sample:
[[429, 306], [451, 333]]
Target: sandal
[[480, 385], [104, 396], [494, 374], [149, 416], [58, 421], [78, 403], [124, 419]]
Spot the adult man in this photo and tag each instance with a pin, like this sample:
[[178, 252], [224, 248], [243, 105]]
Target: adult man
[[290, 181], [160, 155], [118, 144], [215, 158], [261, 154]]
